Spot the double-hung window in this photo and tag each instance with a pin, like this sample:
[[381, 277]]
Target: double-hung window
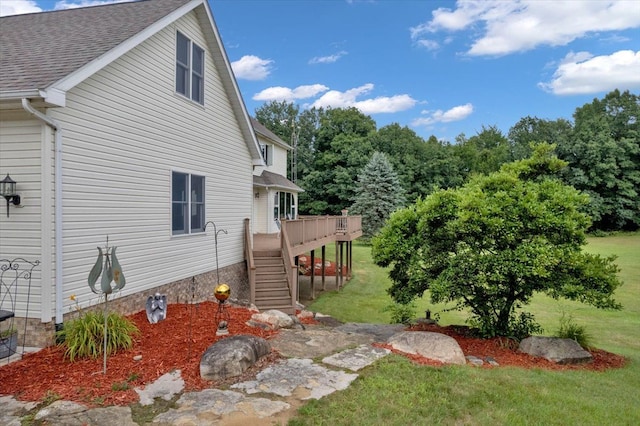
[[189, 69], [267, 153], [187, 203]]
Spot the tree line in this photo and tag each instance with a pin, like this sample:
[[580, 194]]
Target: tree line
[[333, 147]]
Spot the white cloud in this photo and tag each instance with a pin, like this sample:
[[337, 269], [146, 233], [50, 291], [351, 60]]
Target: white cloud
[[428, 44], [583, 73], [251, 67], [289, 95], [18, 7], [337, 99], [74, 4], [378, 105], [520, 25], [327, 59], [457, 113]]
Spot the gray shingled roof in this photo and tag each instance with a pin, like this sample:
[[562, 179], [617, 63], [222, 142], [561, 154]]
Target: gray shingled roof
[[270, 179], [262, 130], [38, 49]]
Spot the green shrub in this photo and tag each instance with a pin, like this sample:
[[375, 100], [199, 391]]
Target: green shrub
[[518, 326], [570, 330], [84, 336], [401, 313]]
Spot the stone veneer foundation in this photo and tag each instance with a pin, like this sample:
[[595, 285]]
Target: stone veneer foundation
[[189, 290]]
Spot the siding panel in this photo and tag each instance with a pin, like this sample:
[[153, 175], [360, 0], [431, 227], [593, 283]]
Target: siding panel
[[21, 233], [125, 130]]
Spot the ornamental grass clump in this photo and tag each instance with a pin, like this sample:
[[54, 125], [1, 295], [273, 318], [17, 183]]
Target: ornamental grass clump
[[84, 336], [570, 330], [401, 313]]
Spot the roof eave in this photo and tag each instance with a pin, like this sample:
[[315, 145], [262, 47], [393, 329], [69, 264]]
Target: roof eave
[[50, 96], [12, 95], [78, 76], [278, 187], [237, 101]]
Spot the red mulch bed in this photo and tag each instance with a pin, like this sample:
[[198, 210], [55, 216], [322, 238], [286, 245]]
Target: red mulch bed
[[178, 343], [505, 353], [304, 263]]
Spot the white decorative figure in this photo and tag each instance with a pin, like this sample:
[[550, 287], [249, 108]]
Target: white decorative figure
[[156, 308]]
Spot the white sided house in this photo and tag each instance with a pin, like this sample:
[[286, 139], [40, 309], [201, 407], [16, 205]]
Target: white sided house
[[125, 122], [275, 197]]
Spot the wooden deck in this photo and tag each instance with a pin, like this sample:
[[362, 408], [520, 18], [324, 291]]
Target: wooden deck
[[298, 237]]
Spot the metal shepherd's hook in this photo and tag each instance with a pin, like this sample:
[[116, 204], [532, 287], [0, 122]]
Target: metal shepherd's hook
[[216, 232]]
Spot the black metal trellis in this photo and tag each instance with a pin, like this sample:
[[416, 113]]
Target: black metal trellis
[[15, 285]]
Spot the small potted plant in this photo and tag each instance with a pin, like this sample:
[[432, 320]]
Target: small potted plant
[[8, 342]]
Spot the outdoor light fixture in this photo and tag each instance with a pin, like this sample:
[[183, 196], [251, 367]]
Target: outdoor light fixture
[[8, 191]]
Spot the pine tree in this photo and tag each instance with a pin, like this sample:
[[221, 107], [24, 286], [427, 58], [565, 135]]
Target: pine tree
[[378, 194]]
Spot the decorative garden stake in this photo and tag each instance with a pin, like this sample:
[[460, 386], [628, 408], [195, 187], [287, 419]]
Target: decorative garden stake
[[222, 317], [111, 273], [222, 291], [215, 233], [192, 287]]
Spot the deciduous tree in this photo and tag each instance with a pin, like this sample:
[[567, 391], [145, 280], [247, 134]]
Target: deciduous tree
[[491, 244], [604, 159]]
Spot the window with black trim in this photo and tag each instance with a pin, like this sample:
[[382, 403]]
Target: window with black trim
[[187, 203], [267, 153], [189, 69]]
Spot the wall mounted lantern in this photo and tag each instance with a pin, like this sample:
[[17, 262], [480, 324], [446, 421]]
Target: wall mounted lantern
[[8, 191]]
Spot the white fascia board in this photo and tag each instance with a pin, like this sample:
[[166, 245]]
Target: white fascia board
[[100, 62], [54, 96], [245, 123]]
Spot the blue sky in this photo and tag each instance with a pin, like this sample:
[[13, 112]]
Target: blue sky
[[439, 67]]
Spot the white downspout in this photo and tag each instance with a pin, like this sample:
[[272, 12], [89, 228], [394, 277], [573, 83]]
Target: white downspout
[[58, 201]]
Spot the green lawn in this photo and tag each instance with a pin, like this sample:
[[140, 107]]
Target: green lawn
[[396, 392]]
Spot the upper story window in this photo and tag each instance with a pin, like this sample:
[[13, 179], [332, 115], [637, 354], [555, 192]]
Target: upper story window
[[187, 203], [267, 154], [189, 69]]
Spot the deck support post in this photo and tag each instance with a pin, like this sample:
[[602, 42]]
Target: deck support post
[[313, 274]]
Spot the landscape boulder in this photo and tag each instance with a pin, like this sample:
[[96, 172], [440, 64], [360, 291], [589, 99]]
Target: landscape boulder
[[436, 346], [555, 349], [272, 320], [232, 356]]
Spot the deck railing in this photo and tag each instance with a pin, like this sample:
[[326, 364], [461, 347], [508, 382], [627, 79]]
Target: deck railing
[[248, 254], [300, 236], [289, 266], [313, 231]]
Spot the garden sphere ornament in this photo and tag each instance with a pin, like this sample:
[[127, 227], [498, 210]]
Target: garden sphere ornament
[[222, 292]]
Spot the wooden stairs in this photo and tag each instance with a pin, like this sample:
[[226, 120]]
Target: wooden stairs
[[272, 287]]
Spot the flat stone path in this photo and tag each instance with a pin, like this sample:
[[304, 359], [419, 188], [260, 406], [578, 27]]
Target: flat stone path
[[283, 387]]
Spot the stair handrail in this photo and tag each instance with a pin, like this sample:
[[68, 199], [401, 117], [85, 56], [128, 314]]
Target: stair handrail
[[251, 267], [290, 267]]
